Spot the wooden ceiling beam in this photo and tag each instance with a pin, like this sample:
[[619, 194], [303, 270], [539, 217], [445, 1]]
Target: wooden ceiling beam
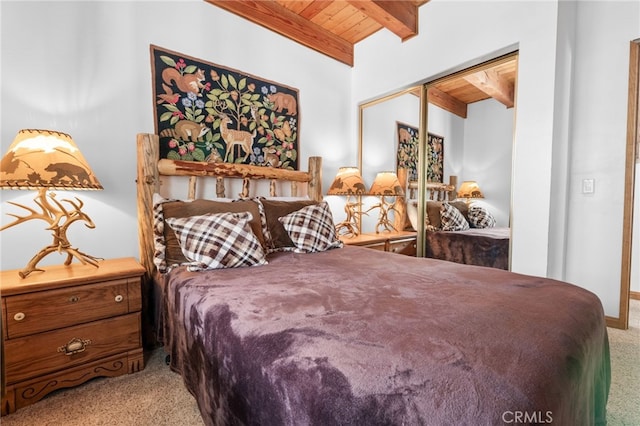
[[447, 102], [399, 16], [314, 8], [490, 83], [271, 15]]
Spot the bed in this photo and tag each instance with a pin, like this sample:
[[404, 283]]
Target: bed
[[460, 232], [353, 336]]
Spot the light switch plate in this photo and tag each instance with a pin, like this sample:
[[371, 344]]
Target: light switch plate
[[588, 186]]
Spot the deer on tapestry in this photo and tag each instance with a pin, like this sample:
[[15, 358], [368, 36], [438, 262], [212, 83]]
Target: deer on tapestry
[[233, 137]]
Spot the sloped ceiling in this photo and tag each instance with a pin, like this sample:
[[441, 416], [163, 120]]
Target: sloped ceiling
[[333, 27]]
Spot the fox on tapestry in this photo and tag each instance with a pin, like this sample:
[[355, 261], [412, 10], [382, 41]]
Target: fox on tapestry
[[206, 112]]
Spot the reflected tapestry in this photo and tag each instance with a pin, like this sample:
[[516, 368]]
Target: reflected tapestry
[[407, 154], [407, 150], [435, 158], [207, 112]]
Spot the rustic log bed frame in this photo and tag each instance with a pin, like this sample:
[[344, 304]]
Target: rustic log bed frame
[[150, 168]]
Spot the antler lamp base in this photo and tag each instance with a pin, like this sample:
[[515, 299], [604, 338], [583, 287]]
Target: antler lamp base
[[54, 213]]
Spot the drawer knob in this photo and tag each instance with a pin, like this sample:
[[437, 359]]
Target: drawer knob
[[119, 298], [19, 316], [74, 299], [74, 346]]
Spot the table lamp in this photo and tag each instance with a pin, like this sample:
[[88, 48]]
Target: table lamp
[[48, 160], [348, 182], [386, 184], [469, 189]]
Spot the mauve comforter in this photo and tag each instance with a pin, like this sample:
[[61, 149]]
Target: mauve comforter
[[355, 336]]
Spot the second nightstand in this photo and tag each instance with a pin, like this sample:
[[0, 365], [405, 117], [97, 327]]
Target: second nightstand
[[396, 242]]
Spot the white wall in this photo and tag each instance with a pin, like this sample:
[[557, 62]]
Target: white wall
[[84, 68], [590, 239], [597, 145]]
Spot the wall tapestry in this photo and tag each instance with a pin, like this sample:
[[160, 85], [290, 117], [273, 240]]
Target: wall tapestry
[[207, 112], [435, 155], [408, 145]]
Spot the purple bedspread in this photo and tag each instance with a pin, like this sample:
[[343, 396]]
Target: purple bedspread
[[355, 336], [481, 247]]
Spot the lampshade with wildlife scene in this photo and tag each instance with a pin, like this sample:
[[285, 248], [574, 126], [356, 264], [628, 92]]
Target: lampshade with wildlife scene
[[386, 184], [48, 160], [348, 181], [470, 189]]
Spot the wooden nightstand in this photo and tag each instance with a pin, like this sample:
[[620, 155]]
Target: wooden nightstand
[[397, 242], [67, 325]]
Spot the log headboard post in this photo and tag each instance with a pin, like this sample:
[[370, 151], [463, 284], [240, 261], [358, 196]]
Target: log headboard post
[[147, 182], [315, 184]]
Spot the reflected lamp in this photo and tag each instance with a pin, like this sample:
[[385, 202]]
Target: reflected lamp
[[386, 184], [348, 181], [468, 190], [45, 160]]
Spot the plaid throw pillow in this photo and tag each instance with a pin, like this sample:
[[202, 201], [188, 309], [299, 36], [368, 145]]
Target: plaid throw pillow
[[218, 240], [159, 255], [276, 237], [311, 228], [479, 217], [452, 219]]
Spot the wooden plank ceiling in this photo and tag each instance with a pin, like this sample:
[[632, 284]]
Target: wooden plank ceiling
[[495, 80], [333, 27]]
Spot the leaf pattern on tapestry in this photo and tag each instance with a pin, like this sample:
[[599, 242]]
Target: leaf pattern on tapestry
[[205, 112]]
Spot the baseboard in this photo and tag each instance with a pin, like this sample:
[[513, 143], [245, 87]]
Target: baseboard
[[634, 295]]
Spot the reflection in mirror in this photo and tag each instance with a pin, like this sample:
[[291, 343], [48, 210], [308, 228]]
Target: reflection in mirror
[[475, 125], [478, 148], [470, 122], [379, 136]]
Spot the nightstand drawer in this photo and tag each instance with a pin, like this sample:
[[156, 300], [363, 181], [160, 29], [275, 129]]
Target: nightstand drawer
[[39, 354], [47, 310], [406, 247]]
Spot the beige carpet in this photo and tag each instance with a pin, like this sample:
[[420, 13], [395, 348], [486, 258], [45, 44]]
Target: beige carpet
[[153, 396], [623, 408], [156, 396]]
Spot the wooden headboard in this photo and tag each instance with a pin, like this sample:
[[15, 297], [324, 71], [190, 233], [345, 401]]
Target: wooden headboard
[[151, 168]]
